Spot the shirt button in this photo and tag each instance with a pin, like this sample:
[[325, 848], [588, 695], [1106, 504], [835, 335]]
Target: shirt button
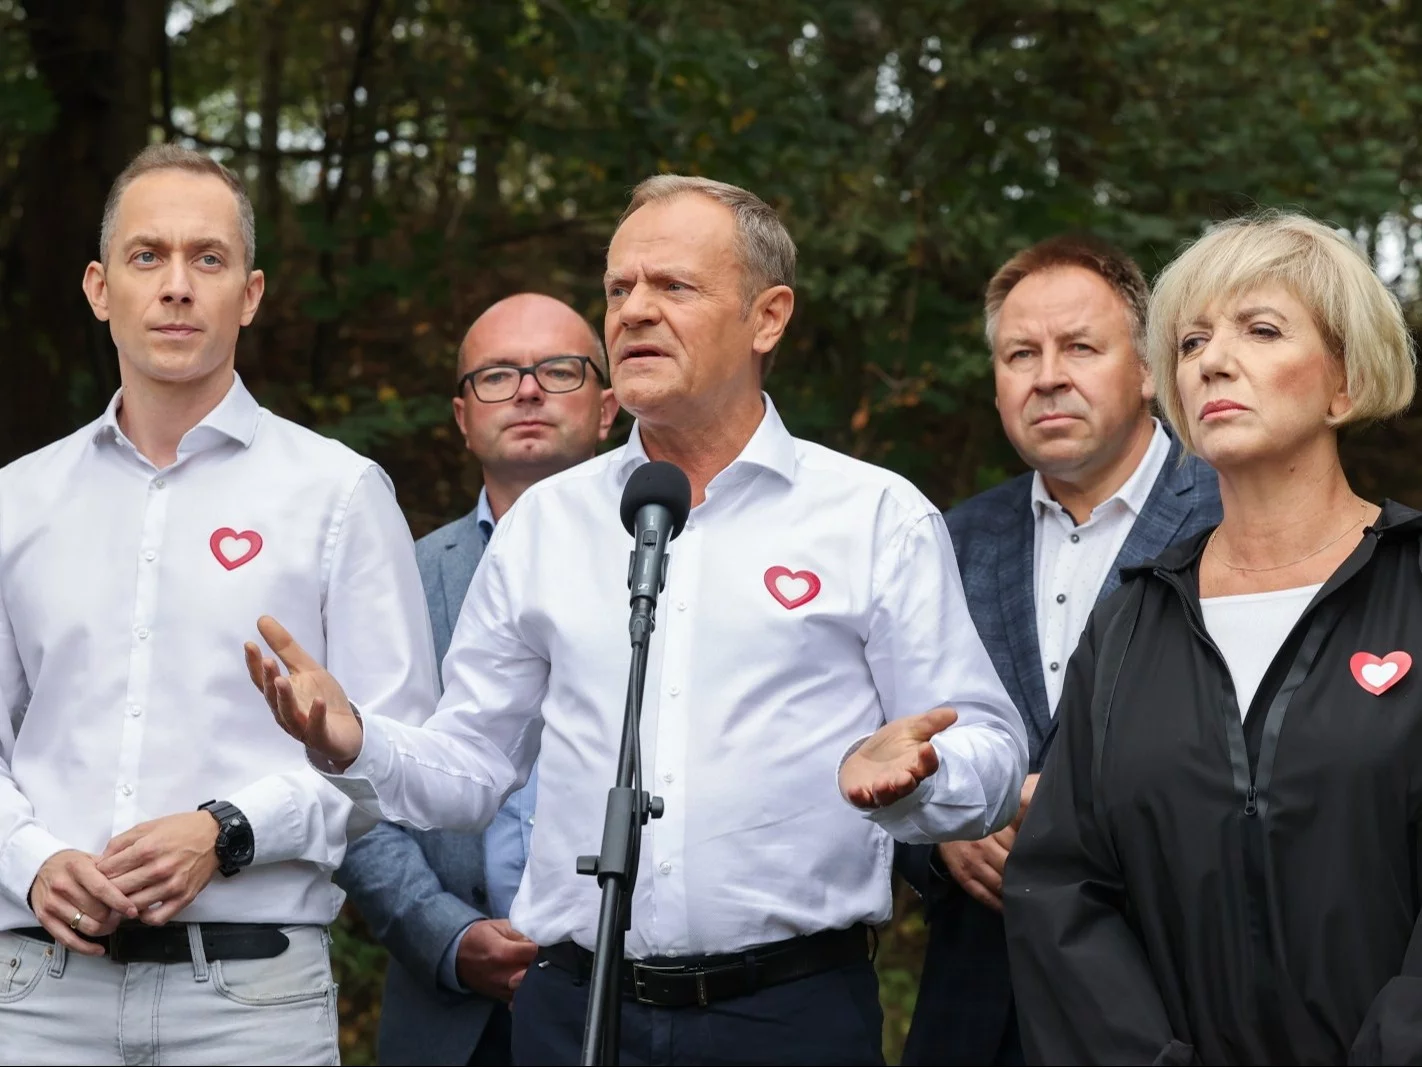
[[664, 867], [681, 605], [126, 790], [159, 483], [671, 954], [135, 710], [142, 633], [1053, 666], [1075, 538], [530, 820], [669, 777], [675, 690], [150, 555], [1061, 598]]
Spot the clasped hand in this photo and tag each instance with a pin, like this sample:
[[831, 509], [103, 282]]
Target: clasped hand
[[149, 873], [307, 702], [979, 866]]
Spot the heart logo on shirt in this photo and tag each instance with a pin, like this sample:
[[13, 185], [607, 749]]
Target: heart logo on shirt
[[792, 588], [233, 549], [1376, 675]]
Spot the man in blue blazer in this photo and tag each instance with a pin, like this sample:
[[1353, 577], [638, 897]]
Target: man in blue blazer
[[1107, 490], [531, 400]]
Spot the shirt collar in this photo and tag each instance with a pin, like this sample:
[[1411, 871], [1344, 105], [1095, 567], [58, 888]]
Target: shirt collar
[[1133, 494], [235, 418], [770, 448], [484, 515]]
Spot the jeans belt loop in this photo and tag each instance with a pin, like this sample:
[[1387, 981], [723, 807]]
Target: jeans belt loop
[[701, 999], [199, 955], [58, 957]]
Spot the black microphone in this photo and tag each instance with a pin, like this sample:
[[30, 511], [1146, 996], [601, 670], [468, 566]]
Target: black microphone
[[655, 505]]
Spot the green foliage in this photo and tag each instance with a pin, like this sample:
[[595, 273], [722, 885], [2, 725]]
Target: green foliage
[[448, 152]]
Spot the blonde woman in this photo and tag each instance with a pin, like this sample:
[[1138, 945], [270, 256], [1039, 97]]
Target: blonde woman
[[1221, 863]]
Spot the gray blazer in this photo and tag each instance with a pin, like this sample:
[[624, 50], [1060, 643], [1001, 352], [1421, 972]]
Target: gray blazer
[[418, 889], [993, 538]]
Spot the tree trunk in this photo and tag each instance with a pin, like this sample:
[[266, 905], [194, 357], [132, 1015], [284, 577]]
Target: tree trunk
[[97, 59]]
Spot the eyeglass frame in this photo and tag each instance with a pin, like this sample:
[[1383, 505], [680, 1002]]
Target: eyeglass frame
[[586, 361]]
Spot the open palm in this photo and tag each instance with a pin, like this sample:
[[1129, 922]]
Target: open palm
[[889, 765], [307, 702]]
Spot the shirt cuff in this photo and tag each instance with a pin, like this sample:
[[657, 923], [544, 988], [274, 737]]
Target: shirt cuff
[[278, 824], [356, 780], [449, 963], [28, 849]]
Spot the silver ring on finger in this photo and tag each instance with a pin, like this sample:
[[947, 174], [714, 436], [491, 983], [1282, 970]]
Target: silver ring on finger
[[74, 922]]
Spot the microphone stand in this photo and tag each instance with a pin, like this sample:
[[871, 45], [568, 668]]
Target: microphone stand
[[615, 867]]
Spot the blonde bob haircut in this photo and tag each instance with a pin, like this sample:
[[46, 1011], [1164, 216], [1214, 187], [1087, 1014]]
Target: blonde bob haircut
[[1356, 314]]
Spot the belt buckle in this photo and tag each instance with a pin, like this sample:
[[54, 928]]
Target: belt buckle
[[639, 987]]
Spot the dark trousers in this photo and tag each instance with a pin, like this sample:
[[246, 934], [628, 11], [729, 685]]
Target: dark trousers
[[832, 1017], [495, 1048], [965, 1013]]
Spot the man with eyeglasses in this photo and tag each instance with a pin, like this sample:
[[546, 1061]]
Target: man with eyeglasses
[[531, 400]]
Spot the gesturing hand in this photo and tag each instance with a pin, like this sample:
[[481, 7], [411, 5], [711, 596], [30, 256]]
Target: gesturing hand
[[492, 958], [69, 885], [167, 861], [307, 702], [891, 763]]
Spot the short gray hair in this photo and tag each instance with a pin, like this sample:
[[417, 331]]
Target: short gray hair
[[1358, 317], [763, 245], [158, 157]]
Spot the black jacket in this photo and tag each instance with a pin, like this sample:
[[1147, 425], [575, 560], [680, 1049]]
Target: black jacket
[[1189, 889]]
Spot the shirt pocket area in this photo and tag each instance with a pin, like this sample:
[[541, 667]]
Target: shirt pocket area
[[23, 962], [301, 973]]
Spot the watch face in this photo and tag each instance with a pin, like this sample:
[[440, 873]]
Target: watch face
[[237, 842]]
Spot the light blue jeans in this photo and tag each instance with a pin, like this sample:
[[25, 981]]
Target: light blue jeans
[[58, 1007]]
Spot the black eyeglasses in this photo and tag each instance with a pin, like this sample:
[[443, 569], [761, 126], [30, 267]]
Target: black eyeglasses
[[556, 374]]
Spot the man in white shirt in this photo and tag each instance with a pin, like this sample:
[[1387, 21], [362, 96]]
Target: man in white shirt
[[812, 622], [1065, 320], [165, 862], [530, 401]]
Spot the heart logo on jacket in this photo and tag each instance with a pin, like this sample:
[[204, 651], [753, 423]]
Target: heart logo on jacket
[[792, 588], [233, 549], [1376, 675]]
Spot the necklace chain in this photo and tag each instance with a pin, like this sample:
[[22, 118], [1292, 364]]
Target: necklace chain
[[1292, 563]]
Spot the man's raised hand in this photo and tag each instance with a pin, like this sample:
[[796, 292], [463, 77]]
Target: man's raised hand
[[307, 702], [889, 765]]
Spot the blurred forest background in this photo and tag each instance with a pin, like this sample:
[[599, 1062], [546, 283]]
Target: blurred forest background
[[413, 160]]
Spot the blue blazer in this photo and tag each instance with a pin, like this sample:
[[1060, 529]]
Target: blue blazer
[[964, 1012], [418, 889]]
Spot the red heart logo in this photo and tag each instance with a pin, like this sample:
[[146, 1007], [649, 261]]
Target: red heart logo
[[233, 549], [792, 588], [1377, 676]]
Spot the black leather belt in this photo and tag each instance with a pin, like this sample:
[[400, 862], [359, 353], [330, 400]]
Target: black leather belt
[[666, 982], [136, 943]]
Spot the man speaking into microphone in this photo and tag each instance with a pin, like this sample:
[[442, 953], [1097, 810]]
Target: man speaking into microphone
[[813, 655]]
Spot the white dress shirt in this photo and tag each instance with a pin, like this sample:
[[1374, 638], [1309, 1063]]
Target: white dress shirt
[[1072, 561], [758, 683], [123, 609]]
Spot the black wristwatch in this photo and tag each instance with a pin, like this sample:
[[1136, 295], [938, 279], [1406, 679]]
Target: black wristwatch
[[235, 844]]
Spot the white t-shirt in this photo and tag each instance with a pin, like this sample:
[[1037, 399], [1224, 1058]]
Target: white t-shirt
[[1249, 630]]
